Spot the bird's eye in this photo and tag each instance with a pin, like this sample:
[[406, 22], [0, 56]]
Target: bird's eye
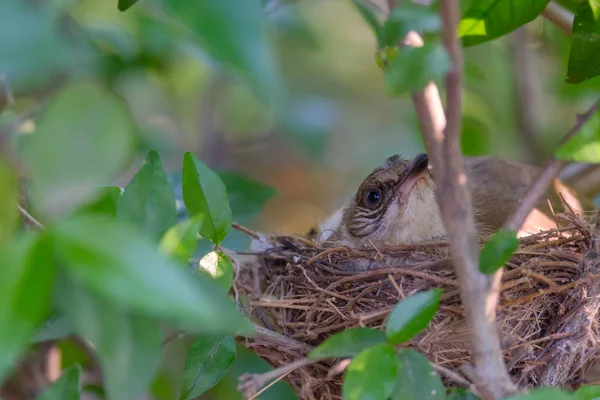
[[373, 197]]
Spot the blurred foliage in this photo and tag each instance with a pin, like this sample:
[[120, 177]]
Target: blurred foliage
[[210, 113]]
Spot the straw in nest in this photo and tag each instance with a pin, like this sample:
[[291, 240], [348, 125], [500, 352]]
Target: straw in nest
[[547, 317]]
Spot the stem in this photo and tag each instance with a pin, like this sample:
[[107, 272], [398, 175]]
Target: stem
[[560, 17]]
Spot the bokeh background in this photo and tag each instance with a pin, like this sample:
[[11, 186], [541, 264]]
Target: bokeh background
[[339, 121]]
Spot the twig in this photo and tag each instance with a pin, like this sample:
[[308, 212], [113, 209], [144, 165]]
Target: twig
[[453, 376], [250, 384], [29, 219], [245, 230], [559, 16]]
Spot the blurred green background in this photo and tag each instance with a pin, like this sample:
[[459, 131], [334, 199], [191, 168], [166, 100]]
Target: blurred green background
[[339, 122], [333, 124]]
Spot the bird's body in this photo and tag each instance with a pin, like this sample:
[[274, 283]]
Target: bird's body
[[396, 203]]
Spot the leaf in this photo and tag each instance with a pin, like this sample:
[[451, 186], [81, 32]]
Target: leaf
[[245, 49], [411, 315], [32, 48], [127, 344], [124, 5], [414, 67], [371, 374], [595, 5], [406, 18], [367, 11], [105, 202], [204, 194], [114, 261], [584, 147], [66, 387], [348, 343], [28, 270], [489, 19], [83, 140], [461, 394], [218, 266], [246, 197], [498, 250], [181, 240], [9, 216], [245, 362], [207, 362], [591, 392], [543, 394], [416, 378], [56, 327], [584, 58], [149, 201]]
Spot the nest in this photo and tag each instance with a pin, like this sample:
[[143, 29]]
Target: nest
[[547, 316]]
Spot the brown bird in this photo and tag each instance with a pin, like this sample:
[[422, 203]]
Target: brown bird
[[396, 203]]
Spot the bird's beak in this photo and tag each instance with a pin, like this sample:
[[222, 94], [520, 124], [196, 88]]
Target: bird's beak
[[416, 169]]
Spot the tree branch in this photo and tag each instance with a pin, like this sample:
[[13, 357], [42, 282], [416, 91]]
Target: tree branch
[[442, 139], [560, 17]]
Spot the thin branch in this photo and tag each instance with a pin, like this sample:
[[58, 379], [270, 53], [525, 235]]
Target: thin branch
[[539, 186], [29, 219], [559, 16], [441, 133], [250, 384]]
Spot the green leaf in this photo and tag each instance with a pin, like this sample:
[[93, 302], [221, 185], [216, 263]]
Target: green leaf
[[181, 240], [56, 327], [584, 147], [368, 12], [416, 378], [9, 215], [371, 374], [83, 140], [498, 250], [411, 315], [461, 394], [595, 5], [348, 343], [584, 58], [66, 387], [204, 194], [218, 266], [124, 5], [543, 394], [406, 18], [28, 270], [245, 362], [245, 49], [246, 197], [489, 19], [149, 201], [414, 67], [207, 362], [32, 48], [591, 392], [105, 202], [115, 261], [127, 344]]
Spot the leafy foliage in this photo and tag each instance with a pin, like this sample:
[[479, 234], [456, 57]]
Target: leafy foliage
[[414, 67], [126, 4], [584, 59], [411, 315], [148, 201], [489, 19], [371, 374], [204, 194], [96, 153], [9, 216], [348, 343], [66, 387], [218, 266], [416, 378], [406, 18], [498, 250], [207, 362]]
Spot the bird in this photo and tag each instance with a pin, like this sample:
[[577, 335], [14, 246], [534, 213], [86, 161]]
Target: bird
[[396, 203]]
